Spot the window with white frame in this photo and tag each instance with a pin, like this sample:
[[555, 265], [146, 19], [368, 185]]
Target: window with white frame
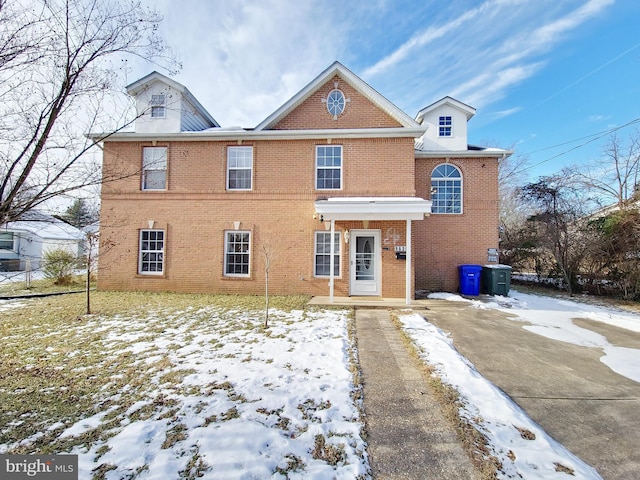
[[6, 240], [444, 125], [446, 189], [328, 167], [154, 168], [237, 253], [239, 168], [151, 256], [158, 106], [322, 258]]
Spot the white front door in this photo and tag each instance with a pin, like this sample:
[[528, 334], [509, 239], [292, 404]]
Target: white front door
[[365, 262]]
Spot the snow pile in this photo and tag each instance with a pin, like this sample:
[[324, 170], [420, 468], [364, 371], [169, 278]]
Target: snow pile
[[553, 318], [521, 446]]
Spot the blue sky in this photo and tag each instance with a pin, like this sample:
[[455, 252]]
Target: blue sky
[[545, 76]]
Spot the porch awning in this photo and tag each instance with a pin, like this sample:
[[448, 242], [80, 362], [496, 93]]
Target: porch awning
[[373, 208]]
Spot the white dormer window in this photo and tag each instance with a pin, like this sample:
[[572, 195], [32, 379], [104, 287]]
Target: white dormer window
[[158, 106], [444, 125]]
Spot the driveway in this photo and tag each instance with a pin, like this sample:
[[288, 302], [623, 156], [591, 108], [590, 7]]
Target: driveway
[[574, 397]]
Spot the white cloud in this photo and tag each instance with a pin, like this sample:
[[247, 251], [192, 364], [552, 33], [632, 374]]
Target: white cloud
[[243, 60]]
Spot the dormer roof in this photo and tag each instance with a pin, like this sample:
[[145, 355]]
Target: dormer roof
[[463, 107], [145, 82], [354, 81]]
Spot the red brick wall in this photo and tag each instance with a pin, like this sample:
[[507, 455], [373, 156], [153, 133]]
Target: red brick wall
[[445, 241], [196, 210], [359, 111]]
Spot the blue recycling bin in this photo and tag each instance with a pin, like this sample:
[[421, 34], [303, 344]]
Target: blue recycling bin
[[470, 279]]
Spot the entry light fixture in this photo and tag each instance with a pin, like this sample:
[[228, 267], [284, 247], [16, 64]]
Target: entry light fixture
[[347, 235]]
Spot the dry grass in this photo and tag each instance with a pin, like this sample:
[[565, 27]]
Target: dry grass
[[54, 369], [473, 441], [77, 282]]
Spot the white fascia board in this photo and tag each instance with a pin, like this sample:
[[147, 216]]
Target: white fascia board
[[224, 134], [139, 85], [199, 107], [468, 110], [490, 153], [352, 79], [373, 208]]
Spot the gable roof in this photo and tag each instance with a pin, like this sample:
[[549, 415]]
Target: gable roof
[[463, 107], [354, 81], [146, 81], [45, 226]]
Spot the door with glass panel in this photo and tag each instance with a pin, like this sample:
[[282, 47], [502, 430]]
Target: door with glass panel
[[365, 263]]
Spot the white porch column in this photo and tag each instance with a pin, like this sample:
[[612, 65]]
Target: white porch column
[[408, 265], [332, 260]]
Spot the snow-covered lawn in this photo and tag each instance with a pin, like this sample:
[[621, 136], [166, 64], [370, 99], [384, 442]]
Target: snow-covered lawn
[[188, 388], [521, 446], [202, 391]]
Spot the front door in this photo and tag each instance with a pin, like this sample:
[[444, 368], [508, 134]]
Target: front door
[[365, 263]]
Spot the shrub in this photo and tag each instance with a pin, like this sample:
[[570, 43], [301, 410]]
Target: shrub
[[59, 265]]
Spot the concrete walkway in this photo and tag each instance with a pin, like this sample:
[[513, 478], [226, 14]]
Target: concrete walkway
[[408, 436]]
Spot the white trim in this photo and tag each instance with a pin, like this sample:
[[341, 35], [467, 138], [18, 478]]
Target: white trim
[[444, 179], [407, 275], [315, 254], [377, 235], [146, 151], [341, 168], [350, 78], [457, 104], [162, 252], [373, 208], [332, 252], [235, 134], [224, 262], [235, 147], [145, 82]]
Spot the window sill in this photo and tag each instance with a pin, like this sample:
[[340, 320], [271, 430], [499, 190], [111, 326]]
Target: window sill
[[150, 276]]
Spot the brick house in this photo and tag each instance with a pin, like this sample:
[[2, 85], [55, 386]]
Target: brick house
[[347, 195]]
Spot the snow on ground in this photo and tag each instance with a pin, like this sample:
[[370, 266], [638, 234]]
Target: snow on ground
[[229, 400], [503, 422], [553, 318], [223, 398], [506, 426]]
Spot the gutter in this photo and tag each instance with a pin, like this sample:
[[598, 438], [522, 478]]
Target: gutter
[[223, 134]]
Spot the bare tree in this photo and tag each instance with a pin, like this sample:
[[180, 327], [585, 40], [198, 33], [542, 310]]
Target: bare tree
[[513, 212], [58, 74], [615, 175], [269, 253], [560, 210]]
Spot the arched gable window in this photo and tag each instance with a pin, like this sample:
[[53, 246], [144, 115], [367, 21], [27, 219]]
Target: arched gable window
[[446, 189]]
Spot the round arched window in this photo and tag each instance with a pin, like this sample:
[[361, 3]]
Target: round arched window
[[446, 189]]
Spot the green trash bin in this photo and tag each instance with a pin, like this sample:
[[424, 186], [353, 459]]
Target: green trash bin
[[496, 279]]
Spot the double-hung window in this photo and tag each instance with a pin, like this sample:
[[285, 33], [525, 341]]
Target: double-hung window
[[154, 168], [446, 189], [6, 241], [322, 263], [328, 167], [158, 106], [151, 255], [239, 168], [237, 253], [444, 124]]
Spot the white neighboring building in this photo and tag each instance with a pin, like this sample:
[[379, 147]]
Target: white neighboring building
[[33, 236]]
